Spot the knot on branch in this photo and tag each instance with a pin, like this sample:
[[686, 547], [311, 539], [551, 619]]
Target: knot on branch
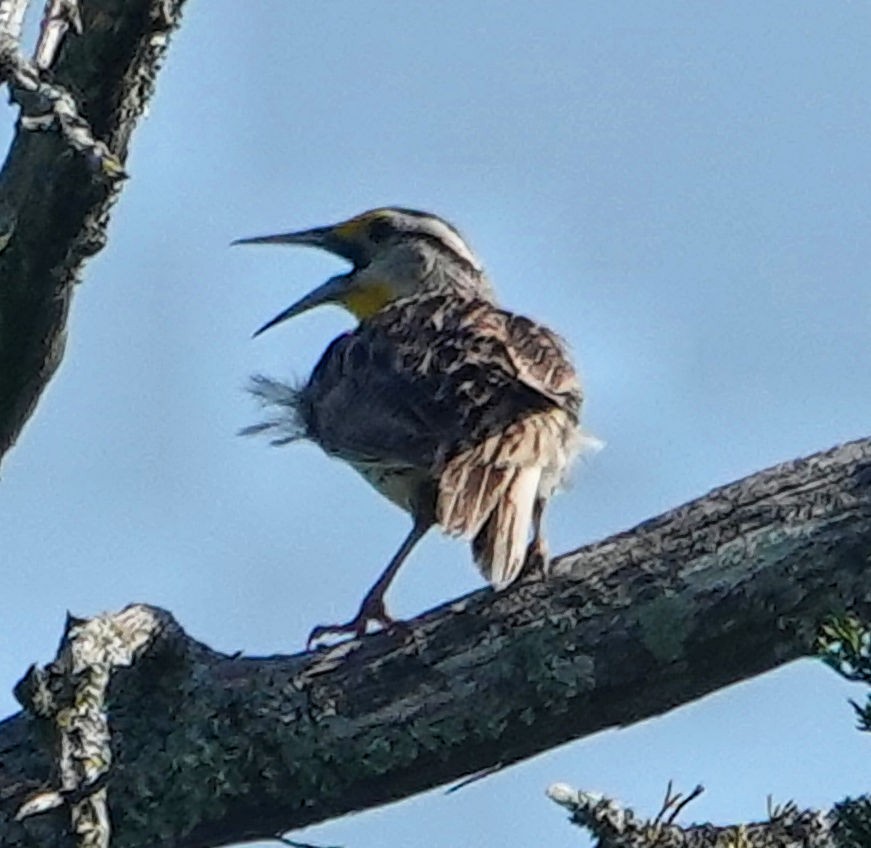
[[71, 694]]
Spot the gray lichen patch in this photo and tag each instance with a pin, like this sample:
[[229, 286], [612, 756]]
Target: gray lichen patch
[[665, 624], [72, 694]]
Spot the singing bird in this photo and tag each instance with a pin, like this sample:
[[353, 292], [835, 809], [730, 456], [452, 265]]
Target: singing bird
[[463, 414]]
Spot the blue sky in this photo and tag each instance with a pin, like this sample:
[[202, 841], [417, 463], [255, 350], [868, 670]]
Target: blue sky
[[681, 189]]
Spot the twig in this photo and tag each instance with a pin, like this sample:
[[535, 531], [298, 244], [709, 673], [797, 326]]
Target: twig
[[675, 802], [679, 805], [667, 803], [293, 844], [474, 778]]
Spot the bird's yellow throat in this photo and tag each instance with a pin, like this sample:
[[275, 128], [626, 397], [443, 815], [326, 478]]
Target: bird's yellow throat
[[364, 302]]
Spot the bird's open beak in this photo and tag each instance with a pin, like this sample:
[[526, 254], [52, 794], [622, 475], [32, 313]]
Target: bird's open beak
[[331, 291], [326, 238]]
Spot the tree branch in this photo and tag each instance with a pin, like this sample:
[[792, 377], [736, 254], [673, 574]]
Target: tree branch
[[616, 826], [209, 749], [62, 173], [12, 18]]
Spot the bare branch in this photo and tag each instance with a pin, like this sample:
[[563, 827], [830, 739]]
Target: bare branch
[[616, 826], [12, 14], [209, 749], [680, 802], [54, 206], [46, 107], [60, 17]]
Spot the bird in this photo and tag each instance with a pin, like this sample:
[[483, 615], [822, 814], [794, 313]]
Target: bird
[[462, 413]]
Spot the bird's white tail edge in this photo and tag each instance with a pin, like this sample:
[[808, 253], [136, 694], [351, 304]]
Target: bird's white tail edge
[[500, 546]]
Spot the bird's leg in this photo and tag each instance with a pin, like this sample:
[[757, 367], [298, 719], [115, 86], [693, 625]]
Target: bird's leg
[[536, 554], [372, 608]]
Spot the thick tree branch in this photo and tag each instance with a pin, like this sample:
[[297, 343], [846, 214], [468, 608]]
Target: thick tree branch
[[61, 176], [209, 749]]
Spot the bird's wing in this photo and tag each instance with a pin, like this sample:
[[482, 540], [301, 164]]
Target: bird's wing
[[420, 383], [362, 404], [518, 351]]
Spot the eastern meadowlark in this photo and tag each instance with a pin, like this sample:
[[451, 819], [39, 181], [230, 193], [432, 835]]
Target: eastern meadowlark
[[461, 413]]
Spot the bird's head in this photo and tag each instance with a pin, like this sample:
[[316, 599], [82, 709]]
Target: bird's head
[[393, 252]]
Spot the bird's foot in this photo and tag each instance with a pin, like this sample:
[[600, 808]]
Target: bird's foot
[[537, 560], [371, 610]]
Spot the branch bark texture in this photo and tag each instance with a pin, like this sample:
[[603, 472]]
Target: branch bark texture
[[210, 749], [57, 187]]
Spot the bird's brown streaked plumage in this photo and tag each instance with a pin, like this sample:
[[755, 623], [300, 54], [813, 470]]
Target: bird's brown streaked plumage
[[463, 414]]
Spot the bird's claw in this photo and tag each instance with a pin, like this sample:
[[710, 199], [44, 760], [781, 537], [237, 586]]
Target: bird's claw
[[372, 609], [536, 563]]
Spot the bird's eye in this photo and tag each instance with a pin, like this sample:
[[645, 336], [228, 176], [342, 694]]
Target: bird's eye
[[380, 230]]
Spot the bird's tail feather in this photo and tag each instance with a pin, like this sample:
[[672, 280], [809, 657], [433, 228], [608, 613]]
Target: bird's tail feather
[[486, 494], [499, 548], [286, 423], [470, 487]]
